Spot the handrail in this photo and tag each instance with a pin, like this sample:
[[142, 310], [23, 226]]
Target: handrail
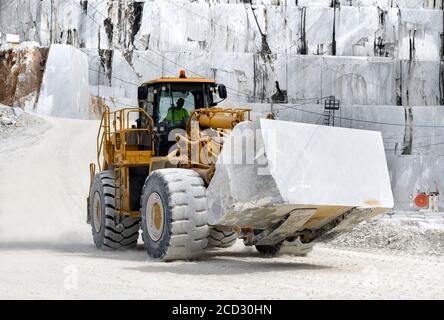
[[121, 126], [101, 136]]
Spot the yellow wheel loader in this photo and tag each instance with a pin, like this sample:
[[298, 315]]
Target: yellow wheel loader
[[192, 175]]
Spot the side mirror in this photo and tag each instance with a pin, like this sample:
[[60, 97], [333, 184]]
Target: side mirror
[[142, 93], [222, 91]]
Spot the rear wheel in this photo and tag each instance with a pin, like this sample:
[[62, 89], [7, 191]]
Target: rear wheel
[[174, 217], [269, 250], [295, 247], [220, 238], [108, 234]]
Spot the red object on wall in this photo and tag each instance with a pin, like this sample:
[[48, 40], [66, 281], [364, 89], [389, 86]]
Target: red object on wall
[[421, 200]]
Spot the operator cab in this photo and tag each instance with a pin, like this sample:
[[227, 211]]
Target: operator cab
[[171, 101]]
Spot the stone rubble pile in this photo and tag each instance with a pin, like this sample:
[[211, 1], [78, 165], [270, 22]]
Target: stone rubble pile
[[396, 238], [14, 120]]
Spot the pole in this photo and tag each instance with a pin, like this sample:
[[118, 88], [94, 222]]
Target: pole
[[51, 22], [98, 68]]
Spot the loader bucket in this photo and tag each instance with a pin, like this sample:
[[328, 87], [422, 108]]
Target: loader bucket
[[269, 169]]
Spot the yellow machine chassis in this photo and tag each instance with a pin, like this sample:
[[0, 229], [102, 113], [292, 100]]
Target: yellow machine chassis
[[115, 153]]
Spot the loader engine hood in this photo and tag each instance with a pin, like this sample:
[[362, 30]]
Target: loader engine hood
[[270, 168]]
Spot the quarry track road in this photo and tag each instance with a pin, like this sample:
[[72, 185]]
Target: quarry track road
[[46, 250]]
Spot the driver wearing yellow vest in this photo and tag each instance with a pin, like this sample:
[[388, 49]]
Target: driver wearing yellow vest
[[178, 114]]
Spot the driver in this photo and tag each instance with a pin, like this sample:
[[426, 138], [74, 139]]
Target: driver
[[178, 114]]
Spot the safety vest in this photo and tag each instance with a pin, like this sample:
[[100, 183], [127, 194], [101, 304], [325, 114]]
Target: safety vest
[[177, 115]]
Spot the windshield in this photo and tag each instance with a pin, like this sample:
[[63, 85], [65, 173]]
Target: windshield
[[178, 101]]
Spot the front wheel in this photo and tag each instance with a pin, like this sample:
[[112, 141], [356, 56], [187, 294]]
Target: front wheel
[[174, 216]]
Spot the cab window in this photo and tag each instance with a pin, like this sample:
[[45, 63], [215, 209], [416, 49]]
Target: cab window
[[194, 95]]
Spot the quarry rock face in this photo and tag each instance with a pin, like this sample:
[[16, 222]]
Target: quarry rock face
[[391, 50], [21, 72], [65, 89]]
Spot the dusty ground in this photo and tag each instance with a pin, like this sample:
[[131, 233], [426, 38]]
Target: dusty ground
[[46, 249]]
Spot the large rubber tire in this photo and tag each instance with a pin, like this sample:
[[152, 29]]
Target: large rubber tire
[[174, 216], [296, 248], [221, 239], [269, 251], [106, 234]]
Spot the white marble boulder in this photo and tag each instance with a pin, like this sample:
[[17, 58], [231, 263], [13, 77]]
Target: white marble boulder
[[269, 168], [65, 86]]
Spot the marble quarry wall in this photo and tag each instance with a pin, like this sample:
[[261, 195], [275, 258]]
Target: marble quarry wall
[[384, 59], [382, 52]]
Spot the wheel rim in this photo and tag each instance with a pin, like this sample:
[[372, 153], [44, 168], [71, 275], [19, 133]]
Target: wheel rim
[[97, 212], [155, 217]]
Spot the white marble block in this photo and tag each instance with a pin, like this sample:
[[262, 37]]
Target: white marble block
[[65, 87], [297, 165]]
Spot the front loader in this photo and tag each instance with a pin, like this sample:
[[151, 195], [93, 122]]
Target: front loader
[[208, 176]]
